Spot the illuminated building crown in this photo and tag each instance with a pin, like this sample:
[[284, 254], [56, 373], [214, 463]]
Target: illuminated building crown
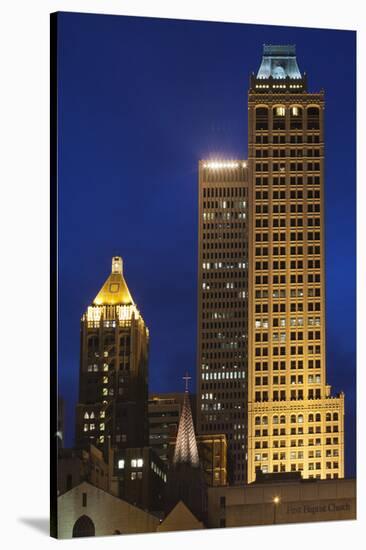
[[279, 62], [115, 290]]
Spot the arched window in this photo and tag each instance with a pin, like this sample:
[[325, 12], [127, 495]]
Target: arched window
[[313, 118], [92, 415], [317, 417], [279, 118], [311, 417], [93, 342], [84, 527], [275, 419], [86, 415], [328, 417], [265, 420], [300, 419], [293, 418], [282, 419], [335, 416], [261, 118], [257, 420], [295, 118]]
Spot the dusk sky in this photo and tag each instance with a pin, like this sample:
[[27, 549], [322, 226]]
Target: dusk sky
[[140, 102]]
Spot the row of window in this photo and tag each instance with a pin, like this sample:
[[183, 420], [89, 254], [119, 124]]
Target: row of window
[[282, 365], [293, 180], [282, 395], [280, 208], [293, 264], [282, 153], [296, 119], [283, 166], [292, 379], [293, 250], [294, 350], [296, 455], [293, 279], [292, 138], [281, 195], [217, 192]]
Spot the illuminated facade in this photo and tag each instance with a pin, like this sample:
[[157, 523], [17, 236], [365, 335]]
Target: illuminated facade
[[113, 382], [212, 449], [294, 424], [222, 311]]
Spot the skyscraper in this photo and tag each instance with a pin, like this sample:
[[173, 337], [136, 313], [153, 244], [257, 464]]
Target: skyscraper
[[113, 382], [261, 287], [222, 307], [294, 424]]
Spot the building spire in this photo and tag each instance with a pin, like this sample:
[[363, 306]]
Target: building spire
[[115, 290], [186, 378], [186, 451]]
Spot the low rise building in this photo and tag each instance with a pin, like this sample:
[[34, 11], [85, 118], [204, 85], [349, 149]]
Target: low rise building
[[87, 511], [282, 501]]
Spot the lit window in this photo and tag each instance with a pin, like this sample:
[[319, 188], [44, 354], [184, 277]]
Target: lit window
[[280, 111], [295, 111], [134, 463], [86, 415], [121, 464], [102, 426]]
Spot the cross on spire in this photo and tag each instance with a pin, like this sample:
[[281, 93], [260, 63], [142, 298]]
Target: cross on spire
[[186, 378]]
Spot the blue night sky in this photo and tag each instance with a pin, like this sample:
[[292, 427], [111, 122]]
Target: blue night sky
[[140, 102]]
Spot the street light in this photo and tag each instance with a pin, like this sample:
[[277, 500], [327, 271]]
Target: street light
[[276, 501]]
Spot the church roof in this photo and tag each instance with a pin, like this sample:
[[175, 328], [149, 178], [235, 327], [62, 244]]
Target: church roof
[[180, 518], [278, 62], [115, 290], [186, 451]]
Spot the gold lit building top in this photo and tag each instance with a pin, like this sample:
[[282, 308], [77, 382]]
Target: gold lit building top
[[115, 290]]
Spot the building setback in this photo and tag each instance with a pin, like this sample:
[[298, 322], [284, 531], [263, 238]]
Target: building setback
[[222, 314], [294, 423]]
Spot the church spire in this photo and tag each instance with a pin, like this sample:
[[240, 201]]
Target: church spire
[[186, 451]]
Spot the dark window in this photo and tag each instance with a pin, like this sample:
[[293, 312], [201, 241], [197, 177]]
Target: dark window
[[68, 482], [261, 118]]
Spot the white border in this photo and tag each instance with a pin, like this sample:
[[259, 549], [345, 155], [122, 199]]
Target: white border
[[24, 180]]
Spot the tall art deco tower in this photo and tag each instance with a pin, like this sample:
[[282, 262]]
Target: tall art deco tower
[[294, 424], [261, 287], [113, 390]]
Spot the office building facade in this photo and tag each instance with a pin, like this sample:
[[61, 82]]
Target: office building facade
[[222, 307], [294, 423]]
